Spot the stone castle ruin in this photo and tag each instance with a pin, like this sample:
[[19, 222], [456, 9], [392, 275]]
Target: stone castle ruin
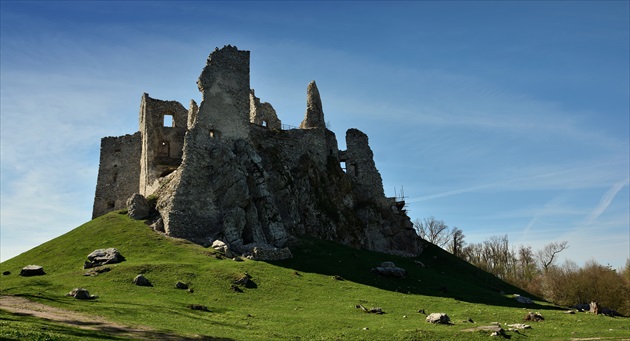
[[228, 170]]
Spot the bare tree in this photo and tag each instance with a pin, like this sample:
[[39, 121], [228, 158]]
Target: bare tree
[[498, 255], [473, 254], [433, 230], [526, 263], [547, 255], [456, 243]]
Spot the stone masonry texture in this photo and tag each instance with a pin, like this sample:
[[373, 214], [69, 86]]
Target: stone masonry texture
[[227, 170]]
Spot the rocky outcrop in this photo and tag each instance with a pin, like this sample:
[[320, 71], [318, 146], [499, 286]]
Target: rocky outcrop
[[228, 171]]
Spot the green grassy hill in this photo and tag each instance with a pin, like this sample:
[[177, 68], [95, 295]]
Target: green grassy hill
[[296, 299]]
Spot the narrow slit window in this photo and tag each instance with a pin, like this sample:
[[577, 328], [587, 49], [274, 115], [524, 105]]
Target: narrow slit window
[[168, 121], [343, 165]]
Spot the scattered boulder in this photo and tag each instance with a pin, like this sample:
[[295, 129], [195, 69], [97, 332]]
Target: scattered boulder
[[533, 317], [158, 225], [32, 270], [570, 311], [375, 310], [142, 281], [95, 272], [6, 273], [235, 288], [218, 244], [495, 330], [181, 285], [520, 326], [389, 269], [439, 318], [244, 280], [103, 256], [223, 247], [198, 307], [337, 278], [138, 207], [269, 253], [81, 294], [523, 299]]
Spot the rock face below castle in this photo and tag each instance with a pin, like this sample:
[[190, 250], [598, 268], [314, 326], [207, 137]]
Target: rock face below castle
[[227, 170]]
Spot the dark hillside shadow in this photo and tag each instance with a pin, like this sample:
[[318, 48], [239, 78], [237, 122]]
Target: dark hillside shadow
[[434, 273]]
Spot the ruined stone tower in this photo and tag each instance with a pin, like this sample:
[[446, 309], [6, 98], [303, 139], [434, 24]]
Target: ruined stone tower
[[227, 170]]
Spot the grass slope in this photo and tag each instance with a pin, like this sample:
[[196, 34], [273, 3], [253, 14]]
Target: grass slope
[[295, 299]]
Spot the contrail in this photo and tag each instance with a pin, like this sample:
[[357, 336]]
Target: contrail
[[527, 178], [449, 193], [606, 199]]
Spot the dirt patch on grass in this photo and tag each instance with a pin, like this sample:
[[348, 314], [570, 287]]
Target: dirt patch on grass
[[22, 306]]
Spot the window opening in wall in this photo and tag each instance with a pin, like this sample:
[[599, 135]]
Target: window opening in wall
[[163, 149], [212, 134], [356, 169], [168, 121], [343, 165], [264, 123]]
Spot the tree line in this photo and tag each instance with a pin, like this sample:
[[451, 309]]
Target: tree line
[[536, 271]]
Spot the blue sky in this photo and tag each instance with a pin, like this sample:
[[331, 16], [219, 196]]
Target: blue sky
[[496, 117]]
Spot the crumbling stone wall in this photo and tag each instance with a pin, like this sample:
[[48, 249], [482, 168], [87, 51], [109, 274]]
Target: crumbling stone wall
[[314, 117], [161, 145], [227, 176], [193, 112], [118, 172], [262, 114], [360, 166], [224, 85]]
